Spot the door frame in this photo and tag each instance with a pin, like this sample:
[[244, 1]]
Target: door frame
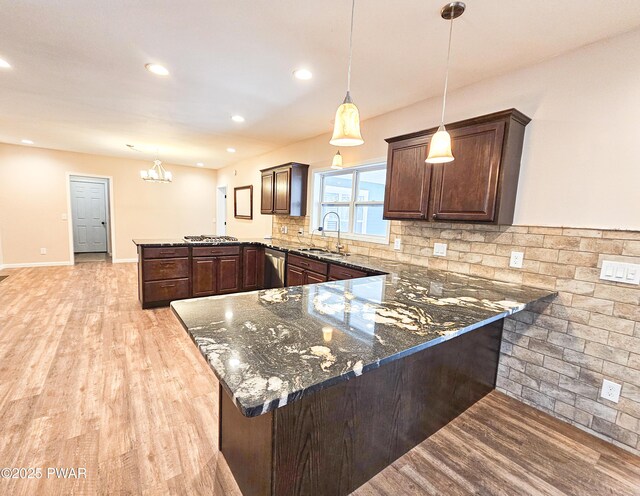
[[221, 210], [111, 236]]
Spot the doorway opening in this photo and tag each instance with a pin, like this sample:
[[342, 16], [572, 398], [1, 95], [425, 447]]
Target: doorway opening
[[221, 211], [90, 226]]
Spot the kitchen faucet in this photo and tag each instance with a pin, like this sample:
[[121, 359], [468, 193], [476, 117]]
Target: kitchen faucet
[[323, 230]]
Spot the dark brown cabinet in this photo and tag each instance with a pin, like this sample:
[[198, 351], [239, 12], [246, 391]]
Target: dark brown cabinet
[[303, 270], [252, 268], [340, 273], [284, 189], [163, 275], [266, 188], [406, 193], [215, 270], [295, 276], [480, 185]]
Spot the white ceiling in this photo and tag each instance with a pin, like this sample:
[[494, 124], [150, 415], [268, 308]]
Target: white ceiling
[[78, 80]]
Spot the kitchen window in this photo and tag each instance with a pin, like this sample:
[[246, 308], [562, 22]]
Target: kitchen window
[[356, 194]]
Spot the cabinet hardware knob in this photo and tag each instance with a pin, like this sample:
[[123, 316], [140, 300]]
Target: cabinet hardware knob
[[434, 216]]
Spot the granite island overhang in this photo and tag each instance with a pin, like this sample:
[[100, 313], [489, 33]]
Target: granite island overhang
[[347, 376]]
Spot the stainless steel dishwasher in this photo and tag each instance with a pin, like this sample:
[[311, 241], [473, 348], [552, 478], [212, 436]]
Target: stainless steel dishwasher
[[274, 268]]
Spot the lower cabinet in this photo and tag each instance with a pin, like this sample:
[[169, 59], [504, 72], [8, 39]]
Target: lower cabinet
[[203, 276], [303, 270], [215, 275], [295, 275], [215, 270], [252, 268]]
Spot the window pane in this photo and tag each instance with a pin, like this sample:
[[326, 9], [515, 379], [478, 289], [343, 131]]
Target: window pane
[[371, 185], [369, 220], [338, 188], [331, 222]]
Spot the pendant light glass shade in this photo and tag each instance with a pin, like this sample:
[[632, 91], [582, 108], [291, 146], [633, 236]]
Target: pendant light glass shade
[[440, 145], [440, 148], [336, 163], [346, 129]]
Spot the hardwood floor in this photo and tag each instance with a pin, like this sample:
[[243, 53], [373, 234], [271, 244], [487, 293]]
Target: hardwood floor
[[88, 379]]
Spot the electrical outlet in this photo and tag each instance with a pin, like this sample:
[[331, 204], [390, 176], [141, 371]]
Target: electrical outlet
[[300, 232], [396, 244], [63, 216], [517, 257], [284, 230], [43, 251], [610, 390], [440, 249]]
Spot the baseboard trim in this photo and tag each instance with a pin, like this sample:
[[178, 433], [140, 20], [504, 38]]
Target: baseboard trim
[[124, 260], [34, 264]]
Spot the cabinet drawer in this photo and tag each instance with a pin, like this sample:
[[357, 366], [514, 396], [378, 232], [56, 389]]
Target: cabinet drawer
[[167, 268], [175, 289], [166, 252], [215, 251], [338, 272], [307, 263]]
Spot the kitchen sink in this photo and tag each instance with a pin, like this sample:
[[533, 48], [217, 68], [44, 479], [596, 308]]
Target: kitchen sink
[[315, 250]]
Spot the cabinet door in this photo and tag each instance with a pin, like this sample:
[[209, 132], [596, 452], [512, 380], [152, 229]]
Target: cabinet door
[[228, 274], [252, 268], [314, 277], [282, 191], [266, 198], [466, 189], [203, 276], [406, 193], [295, 276]]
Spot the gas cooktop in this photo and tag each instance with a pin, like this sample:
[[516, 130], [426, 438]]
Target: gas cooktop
[[209, 238]]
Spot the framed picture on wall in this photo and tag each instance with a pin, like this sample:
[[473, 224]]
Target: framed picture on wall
[[243, 202]]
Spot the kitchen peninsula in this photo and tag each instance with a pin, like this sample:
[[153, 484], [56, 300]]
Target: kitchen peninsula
[[324, 385]]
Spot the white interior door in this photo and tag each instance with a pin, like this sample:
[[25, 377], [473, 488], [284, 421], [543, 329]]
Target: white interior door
[[89, 216], [221, 211]]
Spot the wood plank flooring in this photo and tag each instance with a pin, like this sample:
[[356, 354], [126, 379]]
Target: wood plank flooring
[[88, 379]]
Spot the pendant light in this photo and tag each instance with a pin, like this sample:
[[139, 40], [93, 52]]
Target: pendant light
[[336, 163], [346, 129], [157, 173], [440, 145]]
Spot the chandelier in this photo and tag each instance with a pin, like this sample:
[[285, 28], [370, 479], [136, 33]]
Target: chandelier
[[157, 173]]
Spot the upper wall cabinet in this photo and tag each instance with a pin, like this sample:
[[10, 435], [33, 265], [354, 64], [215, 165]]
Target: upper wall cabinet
[[284, 189], [480, 185]]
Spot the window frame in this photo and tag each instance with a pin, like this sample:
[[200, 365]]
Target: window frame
[[318, 193]]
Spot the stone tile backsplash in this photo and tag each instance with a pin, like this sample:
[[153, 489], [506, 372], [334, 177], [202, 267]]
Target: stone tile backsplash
[[555, 354]]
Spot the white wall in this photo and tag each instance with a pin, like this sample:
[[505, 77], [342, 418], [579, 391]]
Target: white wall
[[580, 165], [33, 197]]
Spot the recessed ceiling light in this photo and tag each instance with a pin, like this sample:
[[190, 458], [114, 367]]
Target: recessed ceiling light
[[27, 142], [237, 118], [157, 69], [4, 64], [200, 164], [303, 74], [231, 150]]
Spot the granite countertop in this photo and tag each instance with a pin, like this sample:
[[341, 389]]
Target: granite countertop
[[271, 347]]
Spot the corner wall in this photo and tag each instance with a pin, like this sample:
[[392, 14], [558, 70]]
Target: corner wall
[[33, 198]]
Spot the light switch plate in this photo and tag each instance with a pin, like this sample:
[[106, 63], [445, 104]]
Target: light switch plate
[[440, 249], [396, 244], [610, 390], [620, 272], [43, 251]]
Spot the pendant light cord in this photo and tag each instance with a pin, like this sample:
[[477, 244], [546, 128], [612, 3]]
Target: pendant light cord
[[353, 8], [446, 78]]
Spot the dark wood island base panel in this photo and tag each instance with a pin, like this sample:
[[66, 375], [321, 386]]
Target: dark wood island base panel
[[336, 439]]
